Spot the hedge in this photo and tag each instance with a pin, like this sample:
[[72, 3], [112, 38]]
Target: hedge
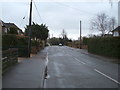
[[15, 41], [35, 43], [106, 46], [8, 41], [85, 40], [22, 46]]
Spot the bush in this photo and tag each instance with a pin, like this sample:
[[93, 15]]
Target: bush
[[107, 46], [22, 46], [85, 40], [23, 51], [35, 43], [13, 30], [9, 41], [15, 41]]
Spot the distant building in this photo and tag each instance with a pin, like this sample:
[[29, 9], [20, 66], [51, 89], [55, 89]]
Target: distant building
[[6, 27], [116, 32]]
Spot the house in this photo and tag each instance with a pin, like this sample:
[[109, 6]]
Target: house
[[6, 28], [116, 31]]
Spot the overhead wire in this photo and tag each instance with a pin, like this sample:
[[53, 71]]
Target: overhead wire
[[38, 12], [24, 17], [66, 5]]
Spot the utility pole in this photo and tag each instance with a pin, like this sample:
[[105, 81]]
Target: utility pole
[[80, 35], [29, 30], [119, 13]]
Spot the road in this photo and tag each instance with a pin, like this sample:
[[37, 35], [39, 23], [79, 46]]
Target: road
[[75, 68]]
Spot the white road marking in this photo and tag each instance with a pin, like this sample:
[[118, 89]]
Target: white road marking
[[44, 86], [79, 61], [107, 76]]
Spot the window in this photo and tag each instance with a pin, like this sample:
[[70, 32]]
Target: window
[[116, 33]]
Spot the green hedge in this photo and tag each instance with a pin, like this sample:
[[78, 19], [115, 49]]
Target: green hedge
[[106, 46], [85, 40], [22, 46], [15, 41], [8, 41], [35, 43]]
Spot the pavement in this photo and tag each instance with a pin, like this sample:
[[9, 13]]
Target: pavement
[[76, 68], [28, 73]]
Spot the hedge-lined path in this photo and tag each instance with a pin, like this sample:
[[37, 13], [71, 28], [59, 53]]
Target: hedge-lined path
[[28, 73]]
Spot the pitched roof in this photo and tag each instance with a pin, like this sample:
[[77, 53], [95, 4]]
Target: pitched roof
[[117, 29], [8, 25]]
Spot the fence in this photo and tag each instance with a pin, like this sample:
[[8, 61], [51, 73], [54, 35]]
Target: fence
[[9, 58]]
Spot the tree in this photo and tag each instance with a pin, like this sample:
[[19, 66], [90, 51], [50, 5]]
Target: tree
[[100, 23], [112, 23], [63, 34], [63, 39], [44, 31], [103, 23], [38, 32]]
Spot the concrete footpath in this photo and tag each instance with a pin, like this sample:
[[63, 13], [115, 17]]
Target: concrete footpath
[[28, 73]]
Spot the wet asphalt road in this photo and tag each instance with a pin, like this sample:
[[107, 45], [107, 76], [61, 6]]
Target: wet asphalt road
[[75, 68]]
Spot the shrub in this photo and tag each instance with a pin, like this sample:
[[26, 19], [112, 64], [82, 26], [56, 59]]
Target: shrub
[[35, 43], [13, 30], [15, 41], [22, 46], [107, 46], [85, 40], [8, 41]]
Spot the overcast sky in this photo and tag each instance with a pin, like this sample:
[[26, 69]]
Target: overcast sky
[[58, 15]]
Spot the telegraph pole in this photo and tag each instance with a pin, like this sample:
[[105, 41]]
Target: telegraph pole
[[29, 30], [80, 35]]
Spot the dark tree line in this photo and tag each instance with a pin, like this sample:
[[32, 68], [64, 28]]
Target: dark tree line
[[63, 39]]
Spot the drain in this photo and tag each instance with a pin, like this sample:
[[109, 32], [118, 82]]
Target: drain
[[46, 76], [46, 73]]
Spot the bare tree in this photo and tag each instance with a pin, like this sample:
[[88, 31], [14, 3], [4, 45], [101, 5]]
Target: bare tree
[[103, 23], [111, 25], [63, 34], [100, 23]]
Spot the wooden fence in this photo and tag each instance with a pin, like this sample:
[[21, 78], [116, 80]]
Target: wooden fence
[[9, 58]]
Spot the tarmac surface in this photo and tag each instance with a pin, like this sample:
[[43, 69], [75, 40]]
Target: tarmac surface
[[76, 68], [66, 68]]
